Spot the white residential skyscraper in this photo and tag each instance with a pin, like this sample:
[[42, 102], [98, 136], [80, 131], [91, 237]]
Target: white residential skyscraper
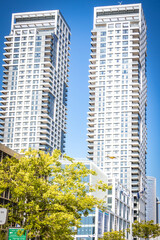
[[118, 97], [34, 95]]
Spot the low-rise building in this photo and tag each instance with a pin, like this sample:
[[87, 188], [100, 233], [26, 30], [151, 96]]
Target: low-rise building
[[6, 152], [119, 205]]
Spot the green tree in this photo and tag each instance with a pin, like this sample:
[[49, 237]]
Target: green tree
[[3, 235], [145, 230], [47, 199], [114, 235]]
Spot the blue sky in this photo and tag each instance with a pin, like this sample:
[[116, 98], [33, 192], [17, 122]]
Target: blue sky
[[79, 15]]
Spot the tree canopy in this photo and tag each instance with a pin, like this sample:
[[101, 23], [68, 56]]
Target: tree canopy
[[145, 230], [114, 235], [47, 198]]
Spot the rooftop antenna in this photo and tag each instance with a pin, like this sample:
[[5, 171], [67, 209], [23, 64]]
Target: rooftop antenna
[[120, 3]]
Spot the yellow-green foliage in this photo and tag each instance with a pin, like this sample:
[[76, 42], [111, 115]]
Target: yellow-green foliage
[[46, 198], [145, 230], [114, 235]]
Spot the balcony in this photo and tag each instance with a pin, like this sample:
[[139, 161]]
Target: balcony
[[93, 43], [134, 51], [135, 152], [91, 134], [134, 116], [93, 49], [6, 66], [1, 127], [44, 141], [4, 102], [135, 143], [92, 71], [92, 87], [135, 171], [7, 54], [2, 116], [44, 110], [90, 151], [90, 140], [135, 84], [92, 97], [135, 183], [46, 84], [92, 108], [44, 136], [91, 114], [93, 55], [135, 105], [90, 127], [135, 131], [93, 77], [44, 126], [135, 89], [135, 99], [135, 137], [6, 71], [92, 91], [135, 37], [135, 166], [5, 86], [45, 119], [93, 37], [4, 107], [8, 48], [9, 37], [135, 93], [7, 60]]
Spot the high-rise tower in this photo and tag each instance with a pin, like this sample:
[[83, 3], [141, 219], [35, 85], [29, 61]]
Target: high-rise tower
[[35, 81], [118, 98], [151, 211]]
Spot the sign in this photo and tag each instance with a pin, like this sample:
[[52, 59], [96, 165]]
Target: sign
[[3, 216], [12, 234]]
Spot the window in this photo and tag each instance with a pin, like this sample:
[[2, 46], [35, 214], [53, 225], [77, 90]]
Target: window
[[37, 49], [16, 50], [125, 42], [36, 65], [125, 54], [110, 26], [125, 49], [38, 37], [118, 25], [15, 55], [38, 43], [16, 44], [125, 36], [17, 39], [103, 33], [102, 50], [103, 56], [102, 61], [103, 39], [103, 45], [23, 55], [23, 43], [15, 61], [37, 55], [109, 200], [125, 31]]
